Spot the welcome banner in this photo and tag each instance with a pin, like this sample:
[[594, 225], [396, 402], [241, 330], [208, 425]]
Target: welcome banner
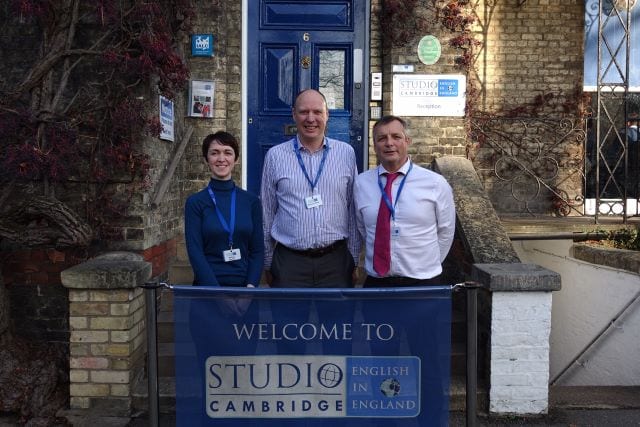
[[321, 357]]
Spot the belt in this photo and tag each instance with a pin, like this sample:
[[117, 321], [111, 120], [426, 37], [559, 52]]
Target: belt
[[316, 252]]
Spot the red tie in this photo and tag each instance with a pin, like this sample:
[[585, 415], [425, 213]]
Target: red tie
[[382, 243]]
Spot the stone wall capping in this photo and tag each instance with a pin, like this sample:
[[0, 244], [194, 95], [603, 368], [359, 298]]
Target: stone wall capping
[[622, 259], [516, 277], [113, 270]]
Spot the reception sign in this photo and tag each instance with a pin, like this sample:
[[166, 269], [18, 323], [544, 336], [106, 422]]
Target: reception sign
[[264, 357], [429, 95]]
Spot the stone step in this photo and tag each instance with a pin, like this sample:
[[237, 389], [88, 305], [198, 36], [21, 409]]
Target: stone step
[[458, 395], [166, 395], [181, 248], [180, 273]]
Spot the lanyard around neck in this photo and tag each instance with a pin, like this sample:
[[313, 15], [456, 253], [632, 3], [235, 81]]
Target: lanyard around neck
[[387, 201], [296, 148], [229, 228]]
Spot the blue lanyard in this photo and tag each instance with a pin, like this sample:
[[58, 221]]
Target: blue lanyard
[[313, 183], [227, 228], [386, 198]]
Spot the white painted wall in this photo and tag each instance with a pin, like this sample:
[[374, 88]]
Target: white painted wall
[[520, 325], [590, 298]]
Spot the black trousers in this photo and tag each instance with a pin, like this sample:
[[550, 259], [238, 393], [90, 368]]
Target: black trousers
[[392, 282]]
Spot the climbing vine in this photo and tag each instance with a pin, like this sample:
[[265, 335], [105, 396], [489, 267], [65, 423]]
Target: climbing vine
[[78, 110], [400, 23]]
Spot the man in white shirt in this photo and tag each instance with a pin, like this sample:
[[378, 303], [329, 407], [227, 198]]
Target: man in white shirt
[[409, 227]]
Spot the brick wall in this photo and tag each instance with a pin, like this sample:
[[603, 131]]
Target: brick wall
[[527, 50], [35, 300], [223, 20], [160, 256], [432, 137], [107, 346], [530, 52]]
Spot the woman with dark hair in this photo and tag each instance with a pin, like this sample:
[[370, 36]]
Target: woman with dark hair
[[223, 223]]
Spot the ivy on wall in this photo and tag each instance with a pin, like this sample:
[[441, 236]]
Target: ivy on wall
[[74, 110], [401, 23]]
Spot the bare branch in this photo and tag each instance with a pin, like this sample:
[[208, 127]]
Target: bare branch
[[37, 221]]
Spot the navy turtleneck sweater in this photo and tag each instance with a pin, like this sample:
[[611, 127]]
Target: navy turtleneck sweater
[[206, 238]]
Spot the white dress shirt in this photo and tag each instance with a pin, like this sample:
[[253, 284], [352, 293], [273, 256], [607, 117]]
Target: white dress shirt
[[424, 215]]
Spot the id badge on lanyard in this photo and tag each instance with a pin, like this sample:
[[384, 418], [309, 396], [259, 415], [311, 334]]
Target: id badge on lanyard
[[313, 201], [231, 255]]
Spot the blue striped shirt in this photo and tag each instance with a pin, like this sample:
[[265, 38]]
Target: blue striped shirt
[[284, 188]]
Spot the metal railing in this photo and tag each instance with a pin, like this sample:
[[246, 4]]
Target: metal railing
[[538, 161]]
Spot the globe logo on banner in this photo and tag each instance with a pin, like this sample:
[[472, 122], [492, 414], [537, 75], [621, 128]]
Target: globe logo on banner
[[330, 376], [390, 387]]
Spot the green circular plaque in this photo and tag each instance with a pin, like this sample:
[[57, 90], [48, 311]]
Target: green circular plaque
[[429, 50]]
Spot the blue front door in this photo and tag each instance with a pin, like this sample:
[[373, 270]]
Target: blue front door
[[300, 44]]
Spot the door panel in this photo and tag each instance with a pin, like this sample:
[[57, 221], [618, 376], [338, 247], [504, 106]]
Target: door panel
[[296, 45], [325, 15], [280, 82], [331, 77]]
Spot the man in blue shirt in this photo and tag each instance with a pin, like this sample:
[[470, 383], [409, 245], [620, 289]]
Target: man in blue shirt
[[311, 238]]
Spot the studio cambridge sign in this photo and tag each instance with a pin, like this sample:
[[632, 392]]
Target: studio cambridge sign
[[333, 357]]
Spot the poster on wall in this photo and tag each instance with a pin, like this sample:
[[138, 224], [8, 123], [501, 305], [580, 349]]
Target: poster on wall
[[166, 118], [201, 98], [429, 95]]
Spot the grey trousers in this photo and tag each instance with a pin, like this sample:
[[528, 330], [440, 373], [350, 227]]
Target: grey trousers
[[293, 270]]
